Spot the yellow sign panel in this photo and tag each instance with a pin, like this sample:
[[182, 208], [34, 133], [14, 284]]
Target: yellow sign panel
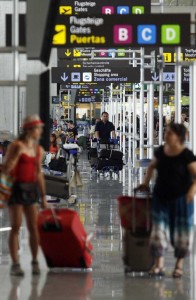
[[167, 57], [59, 37], [77, 66], [181, 57], [65, 10], [76, 53]]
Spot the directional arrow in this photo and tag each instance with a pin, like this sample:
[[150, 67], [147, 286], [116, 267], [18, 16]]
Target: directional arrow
[[67, 52], [64, 77], [155, 77]]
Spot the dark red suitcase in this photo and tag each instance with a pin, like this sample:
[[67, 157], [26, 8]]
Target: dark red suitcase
[[135, 214], [63, 239]]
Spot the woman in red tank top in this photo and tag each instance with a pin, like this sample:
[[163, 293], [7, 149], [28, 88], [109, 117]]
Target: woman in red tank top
[[23, 161], [54, 147]]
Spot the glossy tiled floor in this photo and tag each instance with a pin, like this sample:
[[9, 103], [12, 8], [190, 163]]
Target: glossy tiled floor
[[97, 206]]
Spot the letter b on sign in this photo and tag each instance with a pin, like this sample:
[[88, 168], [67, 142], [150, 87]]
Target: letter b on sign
[[170, 34], [123, 34]]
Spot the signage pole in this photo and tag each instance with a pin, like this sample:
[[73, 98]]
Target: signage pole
[[193, 107], [124, 120], [151, 120], [134, 126], [130, 118], [15, 43], [142, 105], [160, 102], [120, 125], [178, 84], [193, 114]]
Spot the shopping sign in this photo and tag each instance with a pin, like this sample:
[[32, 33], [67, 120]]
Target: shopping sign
[[105, 7], [101, 75], [122, 31]]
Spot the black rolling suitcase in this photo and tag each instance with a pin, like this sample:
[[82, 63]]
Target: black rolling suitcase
[[136, 219], [57, 187], [111, 154], [93, 156]]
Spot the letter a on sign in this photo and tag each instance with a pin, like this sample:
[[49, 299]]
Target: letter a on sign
[[123, 34]]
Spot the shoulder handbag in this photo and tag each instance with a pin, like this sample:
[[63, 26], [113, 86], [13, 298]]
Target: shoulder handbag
[[59, 165]]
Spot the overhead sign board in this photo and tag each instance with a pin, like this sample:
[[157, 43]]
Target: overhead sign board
[[109, 7], [65, 53], [169, 75], [187, 54], [94, 64], [122, 31], [105, 75]]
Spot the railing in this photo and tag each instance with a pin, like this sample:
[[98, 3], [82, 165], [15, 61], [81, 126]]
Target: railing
[[174, 2]]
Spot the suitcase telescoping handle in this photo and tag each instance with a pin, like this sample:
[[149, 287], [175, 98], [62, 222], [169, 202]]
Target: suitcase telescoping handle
[[147, 200], [54, 215], [57, 223]]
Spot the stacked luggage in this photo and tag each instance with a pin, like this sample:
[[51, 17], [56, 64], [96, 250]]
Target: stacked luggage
[[55, 172], [136, 221], [110, 159], [104, 155]]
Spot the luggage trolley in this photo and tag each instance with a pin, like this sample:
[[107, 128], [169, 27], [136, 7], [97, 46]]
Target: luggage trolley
[[110, 158]]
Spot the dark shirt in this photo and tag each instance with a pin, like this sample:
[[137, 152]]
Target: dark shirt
[[104, 129], [173, 178], [71, 133]]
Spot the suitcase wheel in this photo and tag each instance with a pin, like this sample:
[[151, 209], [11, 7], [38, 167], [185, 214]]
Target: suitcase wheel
[[126, 271], [49, 262], [83, 263]]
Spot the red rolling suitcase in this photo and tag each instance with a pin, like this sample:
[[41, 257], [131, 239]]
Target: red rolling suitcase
[[135, 214], [63, 239]]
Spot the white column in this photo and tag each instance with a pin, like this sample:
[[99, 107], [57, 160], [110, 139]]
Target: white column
[[142, 105], [15, 43], [160, 103], [134, 135], [178, 85], [151, 120], [193, 113]]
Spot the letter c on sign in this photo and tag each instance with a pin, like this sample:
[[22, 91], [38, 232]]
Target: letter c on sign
[[122, 11], [147, 34]]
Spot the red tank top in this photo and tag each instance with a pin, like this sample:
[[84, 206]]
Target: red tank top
[[26, 169], [53, 149]]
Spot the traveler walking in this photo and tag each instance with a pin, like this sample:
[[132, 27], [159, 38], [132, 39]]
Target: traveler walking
[[105, 128], [172, 207], [23, 163]]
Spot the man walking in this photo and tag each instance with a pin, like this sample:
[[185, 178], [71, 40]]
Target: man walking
[[104, 128]]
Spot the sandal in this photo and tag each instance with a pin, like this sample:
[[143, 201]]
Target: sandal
[[156, 272], [177, 273]]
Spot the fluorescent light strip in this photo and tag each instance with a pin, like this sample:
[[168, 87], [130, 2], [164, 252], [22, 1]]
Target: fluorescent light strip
[[5, 229]]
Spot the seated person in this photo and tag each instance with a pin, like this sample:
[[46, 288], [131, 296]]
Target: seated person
[[71, 132], [61, 133], [54, 147]]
